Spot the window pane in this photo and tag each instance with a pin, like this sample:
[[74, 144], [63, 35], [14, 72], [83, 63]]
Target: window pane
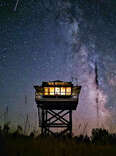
[[68, 90], [57, 90], [46, 90], [62, 90], [51, 90]]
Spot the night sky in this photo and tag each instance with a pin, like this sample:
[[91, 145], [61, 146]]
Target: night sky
[[45, 40]]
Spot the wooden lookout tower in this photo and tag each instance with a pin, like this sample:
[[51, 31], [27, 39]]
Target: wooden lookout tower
[[55, 101]]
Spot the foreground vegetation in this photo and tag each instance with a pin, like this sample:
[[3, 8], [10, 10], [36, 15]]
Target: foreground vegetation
[[16, 144]]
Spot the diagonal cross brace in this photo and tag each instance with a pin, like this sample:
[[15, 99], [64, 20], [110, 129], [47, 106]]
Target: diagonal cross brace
[[58, 117], [53, 115]]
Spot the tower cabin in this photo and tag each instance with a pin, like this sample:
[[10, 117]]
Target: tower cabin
[[54, 98]]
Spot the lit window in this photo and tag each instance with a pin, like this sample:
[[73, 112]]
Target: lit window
[[51, 83], [68, 90], [51, 90], [46, 90], [62, 90], [57, 90]]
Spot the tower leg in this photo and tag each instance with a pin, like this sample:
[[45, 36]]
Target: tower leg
[[52, 119], [42, 124], [70, 122]]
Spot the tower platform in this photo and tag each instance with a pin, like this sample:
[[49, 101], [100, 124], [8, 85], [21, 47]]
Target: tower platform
[[55, 102]]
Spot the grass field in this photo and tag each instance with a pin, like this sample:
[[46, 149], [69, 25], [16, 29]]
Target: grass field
[[100, 143], [49, 146]]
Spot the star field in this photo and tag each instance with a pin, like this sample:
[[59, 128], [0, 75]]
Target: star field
[[49, 40]]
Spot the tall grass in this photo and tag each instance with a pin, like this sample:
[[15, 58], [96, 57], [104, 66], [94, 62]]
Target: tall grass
[[101, 143], [49, 146]]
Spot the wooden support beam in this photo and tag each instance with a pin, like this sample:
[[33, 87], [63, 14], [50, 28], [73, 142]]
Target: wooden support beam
[[51, 119]]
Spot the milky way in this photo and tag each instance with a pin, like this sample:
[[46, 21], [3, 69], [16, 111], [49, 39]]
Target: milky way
[[66, 40]]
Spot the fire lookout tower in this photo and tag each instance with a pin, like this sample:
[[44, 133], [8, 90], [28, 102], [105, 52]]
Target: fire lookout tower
[[55, 101]]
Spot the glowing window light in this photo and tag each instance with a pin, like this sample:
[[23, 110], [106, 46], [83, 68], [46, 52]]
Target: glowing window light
[[51, 90], [50, 83], [57, 90], [46, 90], [68, 90], [62, 90]]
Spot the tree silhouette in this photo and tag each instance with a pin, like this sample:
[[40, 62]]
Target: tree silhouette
[[100, 136], [6, 128]]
